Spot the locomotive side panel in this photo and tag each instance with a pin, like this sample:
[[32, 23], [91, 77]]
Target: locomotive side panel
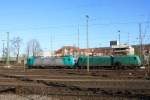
[[131, 61], [94, 61]]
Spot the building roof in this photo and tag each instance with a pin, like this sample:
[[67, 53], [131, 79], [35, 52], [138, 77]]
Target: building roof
[[67, 47]]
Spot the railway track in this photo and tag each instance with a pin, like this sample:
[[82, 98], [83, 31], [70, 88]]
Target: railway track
[[74, 82], [73, 73], [84, 71]]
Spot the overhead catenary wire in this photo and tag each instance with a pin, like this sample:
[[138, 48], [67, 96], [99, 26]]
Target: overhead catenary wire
[[74, 26]]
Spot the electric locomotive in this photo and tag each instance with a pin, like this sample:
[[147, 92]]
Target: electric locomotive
[[50, 62], [116, 62]]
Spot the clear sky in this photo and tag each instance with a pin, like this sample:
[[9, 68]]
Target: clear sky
[[59, 19]]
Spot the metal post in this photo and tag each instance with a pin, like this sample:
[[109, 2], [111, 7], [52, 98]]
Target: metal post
[[7, 60], [140, 42], [51, 46], [128, 38], [3, 48], [78, 36], [148, 66], [78, 41], [119, 36], [87, 18]]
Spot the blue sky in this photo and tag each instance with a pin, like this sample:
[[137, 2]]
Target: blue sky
[[59, 19]]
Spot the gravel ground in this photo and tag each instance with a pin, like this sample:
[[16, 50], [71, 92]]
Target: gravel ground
[[19, 84], [56, 97]]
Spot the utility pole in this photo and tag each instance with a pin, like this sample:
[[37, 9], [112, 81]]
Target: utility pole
[[119, 39], [87, 19], [78, 40], [140, 42], [51, 46], [119, 36], [7, 60], [78, 36], [148, 66], [128, 38], [3, 47]]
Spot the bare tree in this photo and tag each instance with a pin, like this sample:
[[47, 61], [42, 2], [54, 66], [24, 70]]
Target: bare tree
[[16, 44], [33, 47]]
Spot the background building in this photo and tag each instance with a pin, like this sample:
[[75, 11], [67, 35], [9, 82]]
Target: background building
[[122, 49], [67, 50]]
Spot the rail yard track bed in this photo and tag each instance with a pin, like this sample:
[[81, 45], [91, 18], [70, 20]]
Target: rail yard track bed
[[61, 88], [74, 82]]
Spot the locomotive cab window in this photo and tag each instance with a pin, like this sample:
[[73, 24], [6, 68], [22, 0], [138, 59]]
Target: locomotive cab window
[[68, 59], [134, 58], [29, 60]]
